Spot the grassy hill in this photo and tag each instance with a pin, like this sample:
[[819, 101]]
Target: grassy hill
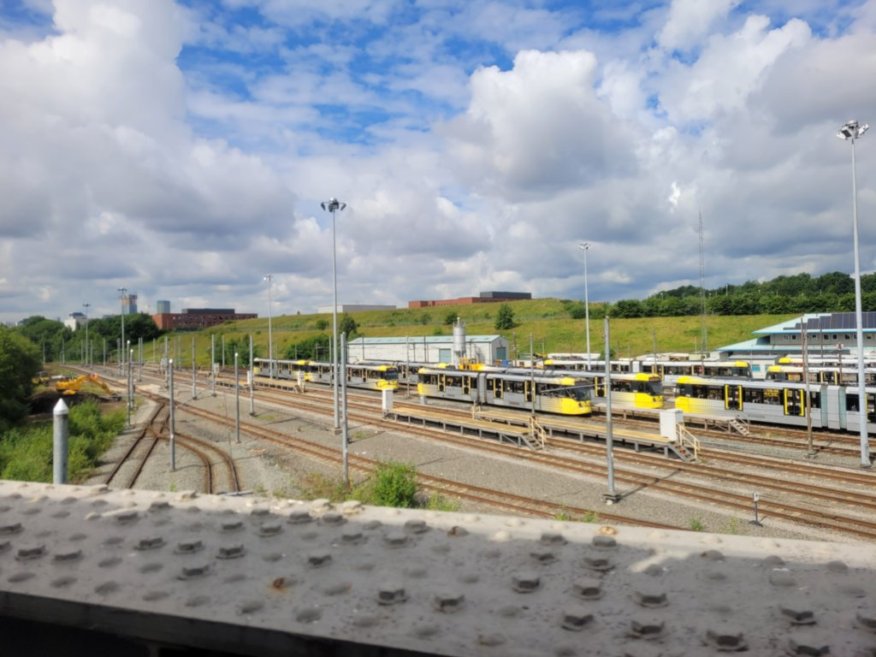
[[547, 320]]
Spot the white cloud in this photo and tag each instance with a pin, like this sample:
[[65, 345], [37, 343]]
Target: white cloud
[[691, 20]]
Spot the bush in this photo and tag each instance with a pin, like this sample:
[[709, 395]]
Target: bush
[[394, 484], [505, 318]]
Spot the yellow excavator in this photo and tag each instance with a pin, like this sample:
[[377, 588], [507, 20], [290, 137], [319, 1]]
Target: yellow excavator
[[70, 387]]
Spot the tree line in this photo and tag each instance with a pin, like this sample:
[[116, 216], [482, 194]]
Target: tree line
[[799, 293]]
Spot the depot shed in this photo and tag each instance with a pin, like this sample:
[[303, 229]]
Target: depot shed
[[491, 349]]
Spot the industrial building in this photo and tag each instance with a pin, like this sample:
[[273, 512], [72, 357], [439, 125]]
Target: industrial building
[[827, 333], [483, 297], [354, 307], [75, 320], [196, 319], [490, 349]]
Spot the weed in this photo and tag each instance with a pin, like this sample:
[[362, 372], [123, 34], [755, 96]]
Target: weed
[[440, 503], [315, 486], [563, 516], [732, 526], [696, 525]]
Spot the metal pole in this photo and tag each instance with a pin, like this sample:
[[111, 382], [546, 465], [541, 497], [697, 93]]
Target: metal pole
[[86, 306], [531, 376], [223, 350], [130, 354], [213, 364], [810, 452], [270, 279], [611, 497], [585, 246], [172, 416], [124, 291], [60, 434], [236, 398], [335, 320], [140, 360], [194, 372], [251, 380], [852, 131], [344, 428]]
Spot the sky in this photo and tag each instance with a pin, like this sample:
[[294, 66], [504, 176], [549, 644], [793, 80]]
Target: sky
[[181, 150]]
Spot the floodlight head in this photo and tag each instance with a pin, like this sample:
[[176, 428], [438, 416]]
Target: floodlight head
[[852, 130], [584, 246], [332, 205]]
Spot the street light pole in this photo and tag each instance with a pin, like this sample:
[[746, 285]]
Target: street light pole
[[585, 246], [87, 359], [332, 206], [123, 291], [852, 131], [269, 278]]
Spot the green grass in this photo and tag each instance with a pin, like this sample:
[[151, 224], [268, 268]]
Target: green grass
[[547, 320], [26, 452]]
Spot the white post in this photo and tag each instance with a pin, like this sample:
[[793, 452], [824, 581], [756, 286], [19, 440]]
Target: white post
[[611, 496], [60, 434], [172, 415], [345, 440]]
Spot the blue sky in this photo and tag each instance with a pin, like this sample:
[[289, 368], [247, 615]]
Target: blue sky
[[182, 149]]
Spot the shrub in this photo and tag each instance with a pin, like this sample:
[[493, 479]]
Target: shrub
[[394, 485]]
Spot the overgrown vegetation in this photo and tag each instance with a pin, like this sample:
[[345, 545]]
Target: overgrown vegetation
[[392, 484], [19, 363], [26, 452]]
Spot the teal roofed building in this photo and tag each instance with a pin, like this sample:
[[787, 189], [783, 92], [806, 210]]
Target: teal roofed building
[[490, 349]]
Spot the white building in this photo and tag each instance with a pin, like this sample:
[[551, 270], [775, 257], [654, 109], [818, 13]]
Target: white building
[[354, 307], [490, 349], [74, 321]]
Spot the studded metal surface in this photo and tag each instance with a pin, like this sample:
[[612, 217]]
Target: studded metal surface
[[442, 583]]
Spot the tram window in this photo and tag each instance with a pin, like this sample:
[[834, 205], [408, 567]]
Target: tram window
[[772, 396], [752, 395], [852, 402], [814, 400], [714, 393]]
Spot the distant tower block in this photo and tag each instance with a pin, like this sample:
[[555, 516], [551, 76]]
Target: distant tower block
[[162, 306], [129, 304]]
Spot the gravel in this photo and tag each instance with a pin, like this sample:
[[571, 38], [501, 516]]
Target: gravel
[[266, 469]]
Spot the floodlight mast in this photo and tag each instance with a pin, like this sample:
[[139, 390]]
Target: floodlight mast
[[852, 131], [585, 247], [332, 206]]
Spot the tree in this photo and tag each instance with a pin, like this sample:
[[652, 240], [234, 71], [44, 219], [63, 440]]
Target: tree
[[349, 326], [450, 318], [505, 318], [19, 362]]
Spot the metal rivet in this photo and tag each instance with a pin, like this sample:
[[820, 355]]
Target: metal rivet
[[599, 564], [299, 517], [71, 554], [63, 582], [806, 647], [271, 529], [588, 589], [353, 537], [365, 620], [602, 542], [773, 561], [416, 572], [426, 630], [543, 556], [21, 577], [713, 555], [391, 594], [575, 619], [491, 639], [30, 552], [726, 640], [469, 578], [12, 528], [647, 628], [552, 538], [232, 526], [837, 567], [197, 601], [798, 613], [231, 551], [337, 588], [416, 526], [448, 602], [648, 598], [396, 539], [866, 619], [106, 588], [126, 517], [194, 572], [155, 596], [309, 615], [189, 546], [525, 582], [151, 568], [149, 543], [456, 530], [319, 559], [782, 578], [109, 563], [250, 607], [332, 519]]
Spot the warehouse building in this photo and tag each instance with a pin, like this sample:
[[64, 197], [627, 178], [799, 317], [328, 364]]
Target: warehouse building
[[483, 297], [196, 319], [491, 349]]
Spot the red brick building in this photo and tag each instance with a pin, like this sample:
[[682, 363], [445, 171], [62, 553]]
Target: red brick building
[[195, 319]]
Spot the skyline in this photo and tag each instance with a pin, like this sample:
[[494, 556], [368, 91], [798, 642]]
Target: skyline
[[181, 150]]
